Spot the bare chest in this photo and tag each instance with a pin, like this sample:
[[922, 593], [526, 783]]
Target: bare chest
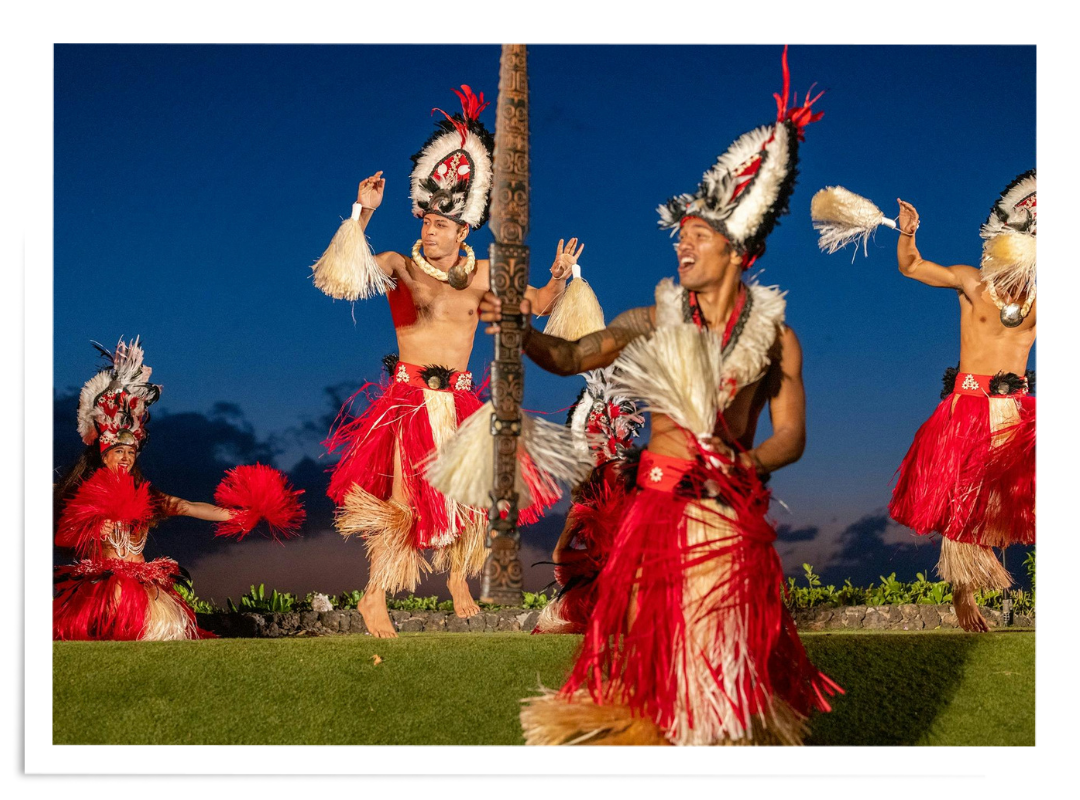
[[984, 320], [742, 414], [422, 300]]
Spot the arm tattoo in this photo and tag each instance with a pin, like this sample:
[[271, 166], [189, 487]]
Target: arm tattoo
[[566, 358], [631, 324], [626, 327]]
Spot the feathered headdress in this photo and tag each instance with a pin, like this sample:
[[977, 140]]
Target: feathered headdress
[[453, 171], [604, 421], [113, 404], [748, 188], [1008, 260]]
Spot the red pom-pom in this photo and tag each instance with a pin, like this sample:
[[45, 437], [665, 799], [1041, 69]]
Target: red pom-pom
[[256, 494], [105, 496]]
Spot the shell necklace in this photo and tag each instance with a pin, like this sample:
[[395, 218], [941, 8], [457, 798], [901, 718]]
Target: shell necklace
[[1012, 314], [458, 276]]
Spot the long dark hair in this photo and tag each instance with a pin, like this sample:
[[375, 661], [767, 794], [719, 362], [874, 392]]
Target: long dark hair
[[88, 463]]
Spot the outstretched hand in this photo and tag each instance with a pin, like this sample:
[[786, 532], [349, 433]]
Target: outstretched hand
[[491, 311], [370, 193], [909, 218], [565, 258]]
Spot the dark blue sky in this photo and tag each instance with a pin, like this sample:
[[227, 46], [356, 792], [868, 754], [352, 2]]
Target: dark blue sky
[[195, 186]]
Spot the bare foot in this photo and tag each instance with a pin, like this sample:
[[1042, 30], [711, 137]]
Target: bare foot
[[464, 605], [372, 608], [967, 613]]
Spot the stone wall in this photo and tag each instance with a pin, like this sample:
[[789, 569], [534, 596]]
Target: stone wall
[[895, 618], [311, 623]]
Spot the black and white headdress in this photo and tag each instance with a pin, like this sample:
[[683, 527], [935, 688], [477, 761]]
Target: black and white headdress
[[453, 171], [747, 190], [1008, 260], [113, 404]]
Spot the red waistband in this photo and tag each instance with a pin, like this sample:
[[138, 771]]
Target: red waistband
[[660, 472], [157, 571], [979, 385], [433, 377]]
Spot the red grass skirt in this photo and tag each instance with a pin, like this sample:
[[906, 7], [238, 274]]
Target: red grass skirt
[[113, 599], [970, 473], [398, 417], [395, 418], [593, 522], [689, 627]]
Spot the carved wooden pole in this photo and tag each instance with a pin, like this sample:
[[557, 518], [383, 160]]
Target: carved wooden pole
[[509, 256]]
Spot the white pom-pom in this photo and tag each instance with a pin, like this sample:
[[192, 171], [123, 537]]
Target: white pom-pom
[[551, 448], [842, 217], [348, 270], [676, 372], [577, 313], [463, 468]]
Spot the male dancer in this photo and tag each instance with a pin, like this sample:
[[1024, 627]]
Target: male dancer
[[434, 293], [689, 642], [970, 473]]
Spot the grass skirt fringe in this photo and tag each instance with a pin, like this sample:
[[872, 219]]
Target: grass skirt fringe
[[689, 632], [113, 599], [970, 472]]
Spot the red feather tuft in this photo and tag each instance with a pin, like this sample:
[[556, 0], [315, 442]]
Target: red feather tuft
[[105, 496], [259, 494], [801, 116], [471, 105]]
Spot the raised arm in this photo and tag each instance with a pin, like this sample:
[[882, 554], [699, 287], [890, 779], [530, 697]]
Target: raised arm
[[369, 196], [787, 411], [561, 357], [960, 277], [545, 298]]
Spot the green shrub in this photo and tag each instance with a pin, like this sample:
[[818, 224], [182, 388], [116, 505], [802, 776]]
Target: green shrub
[[890, 591], [798, 595], [257, 600], [185, 590], [1029, 565], [535, 600]]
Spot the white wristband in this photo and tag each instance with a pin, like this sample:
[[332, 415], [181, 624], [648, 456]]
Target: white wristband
[[356, 209], [576, 270]]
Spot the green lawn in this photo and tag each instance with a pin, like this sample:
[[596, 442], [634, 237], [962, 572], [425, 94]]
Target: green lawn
[[902, 688]]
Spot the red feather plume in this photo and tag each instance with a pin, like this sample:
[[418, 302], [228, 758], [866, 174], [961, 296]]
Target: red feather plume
[[104, 496], [471, 106], [801, 116], [257, 494]]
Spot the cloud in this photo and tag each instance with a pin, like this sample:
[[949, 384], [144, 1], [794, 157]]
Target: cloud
[[873, 546], [186, 455], [786, 533], [323, 561]]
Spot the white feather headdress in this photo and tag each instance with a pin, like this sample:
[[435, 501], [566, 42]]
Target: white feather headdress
[[1008, 260], [604, 421], [113, 404], [453, 171], [747, 190]]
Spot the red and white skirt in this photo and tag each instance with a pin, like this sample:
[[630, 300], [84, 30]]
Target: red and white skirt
[[113, 599], [593, 520], [970, 473], [689, 642], [413, 413]]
